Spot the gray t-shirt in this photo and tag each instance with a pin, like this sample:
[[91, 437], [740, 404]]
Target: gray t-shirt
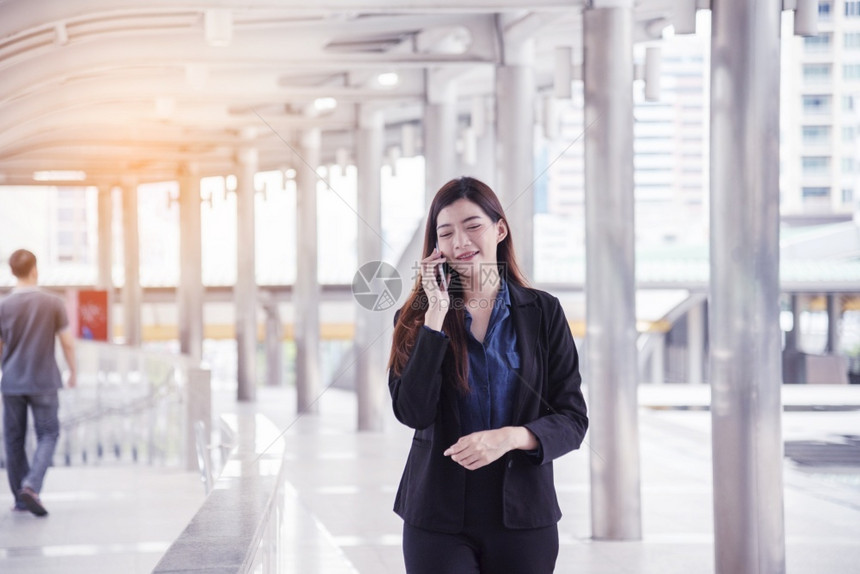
[[29, 322]]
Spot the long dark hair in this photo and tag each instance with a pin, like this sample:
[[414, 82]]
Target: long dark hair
[[455, 366]]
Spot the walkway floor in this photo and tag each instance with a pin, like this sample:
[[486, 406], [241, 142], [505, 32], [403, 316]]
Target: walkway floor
[[121, 519]]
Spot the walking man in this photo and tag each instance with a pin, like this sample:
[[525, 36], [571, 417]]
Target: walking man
[[30, 320]]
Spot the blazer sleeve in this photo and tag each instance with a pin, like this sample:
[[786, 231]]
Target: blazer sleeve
[[415, 393], [563, 427]]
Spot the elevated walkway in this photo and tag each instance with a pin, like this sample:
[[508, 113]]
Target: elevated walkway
[[341, 487]]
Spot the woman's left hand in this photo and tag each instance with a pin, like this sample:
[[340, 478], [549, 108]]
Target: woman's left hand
[[481, 448]]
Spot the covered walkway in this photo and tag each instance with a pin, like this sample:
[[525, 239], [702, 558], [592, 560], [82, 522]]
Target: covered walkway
[[340, 520]]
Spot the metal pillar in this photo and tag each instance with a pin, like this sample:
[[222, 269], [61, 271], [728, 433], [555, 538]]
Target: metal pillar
[[132, 294], [610, 285], [274, 343], [307, 293], [440, 135], [105, 250], [744, 288], [658, 360], [245, 292], [695, 344], [834, 314], [190, 292], [370, 331], [515, 119], [485, 131]]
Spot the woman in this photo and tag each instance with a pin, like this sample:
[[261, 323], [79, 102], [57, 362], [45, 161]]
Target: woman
[[487, 373]]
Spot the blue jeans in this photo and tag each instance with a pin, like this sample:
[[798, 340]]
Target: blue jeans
[[47, 425]]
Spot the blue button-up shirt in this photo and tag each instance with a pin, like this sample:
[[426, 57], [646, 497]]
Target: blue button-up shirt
[[493, 368]]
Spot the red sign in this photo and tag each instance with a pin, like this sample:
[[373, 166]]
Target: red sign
[[93, 315]]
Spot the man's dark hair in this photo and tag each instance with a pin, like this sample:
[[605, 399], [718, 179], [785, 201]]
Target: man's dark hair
[[22, 262]]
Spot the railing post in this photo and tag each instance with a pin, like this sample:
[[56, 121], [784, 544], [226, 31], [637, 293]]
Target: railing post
[[198, 407]]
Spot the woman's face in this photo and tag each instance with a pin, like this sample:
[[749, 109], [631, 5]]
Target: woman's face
[[468, 238]]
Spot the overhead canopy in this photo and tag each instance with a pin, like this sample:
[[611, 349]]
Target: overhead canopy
[[151, 88]]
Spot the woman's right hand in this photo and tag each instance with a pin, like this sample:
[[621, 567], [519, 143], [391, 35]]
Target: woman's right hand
[[439, 299]]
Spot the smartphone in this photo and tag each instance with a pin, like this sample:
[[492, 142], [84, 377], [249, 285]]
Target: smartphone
[[443, 272]]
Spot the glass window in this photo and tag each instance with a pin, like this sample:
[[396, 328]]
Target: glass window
[[816, 72], [815, 164], [847, 195], [847, 165], [851, 41], [819, 43], [852, 9], [851, 71], [816, 134], [815, 192], [847, 103], [824, 10], [848, 134], [816, 104]]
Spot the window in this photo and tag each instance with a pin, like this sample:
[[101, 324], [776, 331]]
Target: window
[[847, 165], [824, 10], [852, 9], [816, 135], [819, 43], [847, 195], [816, 104], [851, 41], [815, 192], [815, 164], [851, 71], [847, 103], [848, 134], [816, 72]]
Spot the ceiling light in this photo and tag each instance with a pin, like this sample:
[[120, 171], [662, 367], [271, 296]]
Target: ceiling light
[[325, 104], [388, 79], [59, 175], [218, 24]]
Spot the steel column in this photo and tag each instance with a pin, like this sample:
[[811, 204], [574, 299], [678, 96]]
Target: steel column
[[440, 137], [515, 120], [744, 288], [190, 292], [132, 294], [307, 299], [245, 291], [105, 250], [610, 281], [370, 337]]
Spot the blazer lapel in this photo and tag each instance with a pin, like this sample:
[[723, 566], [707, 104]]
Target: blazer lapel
[[527, 323]]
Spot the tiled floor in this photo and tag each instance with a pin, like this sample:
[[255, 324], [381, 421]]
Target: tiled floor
[[346, 482]]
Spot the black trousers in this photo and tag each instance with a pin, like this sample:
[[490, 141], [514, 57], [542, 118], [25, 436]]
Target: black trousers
[[485, 546]]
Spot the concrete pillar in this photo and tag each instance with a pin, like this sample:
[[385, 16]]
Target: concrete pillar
[[440, 135], [132, 294], [105, 250], [695, 344], [745, 334], [834, 314], [370, 332], [515, 120], [307, 292], [245, 291], [610, 287], [191, 292]]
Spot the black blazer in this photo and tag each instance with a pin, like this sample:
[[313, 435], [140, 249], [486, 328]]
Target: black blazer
[[549, 403]]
